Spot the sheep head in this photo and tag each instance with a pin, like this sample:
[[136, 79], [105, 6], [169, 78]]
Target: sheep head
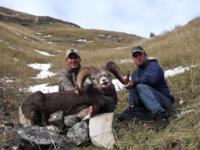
[[101, 77]]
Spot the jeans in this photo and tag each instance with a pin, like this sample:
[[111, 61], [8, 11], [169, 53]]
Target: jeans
[[154, 101]]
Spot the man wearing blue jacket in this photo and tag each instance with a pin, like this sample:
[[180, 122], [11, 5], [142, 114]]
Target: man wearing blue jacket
[[149, 94]]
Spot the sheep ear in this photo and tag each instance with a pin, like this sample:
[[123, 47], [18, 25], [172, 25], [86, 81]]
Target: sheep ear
[[77, 90]]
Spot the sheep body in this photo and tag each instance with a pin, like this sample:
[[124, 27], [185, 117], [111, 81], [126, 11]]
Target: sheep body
[[101, 95]]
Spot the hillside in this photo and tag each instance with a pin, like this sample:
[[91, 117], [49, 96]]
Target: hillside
[[28, 19], [19, 41], [23, 35]]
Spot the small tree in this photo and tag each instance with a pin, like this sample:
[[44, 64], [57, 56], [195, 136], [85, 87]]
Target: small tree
[[151, 35]]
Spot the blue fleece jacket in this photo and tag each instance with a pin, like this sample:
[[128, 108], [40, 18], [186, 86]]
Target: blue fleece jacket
[[151, 74]]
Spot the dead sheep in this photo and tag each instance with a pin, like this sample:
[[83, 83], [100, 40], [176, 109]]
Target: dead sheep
[[100, 95]]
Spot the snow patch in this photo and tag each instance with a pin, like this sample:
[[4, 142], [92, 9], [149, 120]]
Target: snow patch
[[50, 42], [124, 47], [44, 70], [125, 61], [43, 53], [82, 40], [185, 112], [118, 85], [43, 88], [48, 35], [178, 70]]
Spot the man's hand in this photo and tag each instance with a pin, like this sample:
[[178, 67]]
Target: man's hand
[[129, 84], [85, 113]]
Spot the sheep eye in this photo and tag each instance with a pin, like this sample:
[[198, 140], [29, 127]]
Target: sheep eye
[[92, 78]]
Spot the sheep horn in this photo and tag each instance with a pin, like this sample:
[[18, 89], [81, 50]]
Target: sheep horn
[[83, 73], [113, 68]]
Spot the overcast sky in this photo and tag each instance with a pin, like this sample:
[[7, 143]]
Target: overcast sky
[[138, 17]]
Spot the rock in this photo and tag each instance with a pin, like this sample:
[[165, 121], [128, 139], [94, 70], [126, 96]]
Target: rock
[[53, 128], [100, 131], [78, 133], [56, 119], [1, 105], [70, 120], [34, 136]]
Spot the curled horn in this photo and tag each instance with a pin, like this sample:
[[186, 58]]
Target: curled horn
[[83, 73], [113, 68]]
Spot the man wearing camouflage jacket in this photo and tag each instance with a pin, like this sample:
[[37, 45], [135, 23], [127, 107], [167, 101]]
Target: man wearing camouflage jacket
[[67, 76]]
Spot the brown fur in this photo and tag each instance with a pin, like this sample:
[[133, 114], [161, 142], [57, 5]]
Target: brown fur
[[101, 95], [38, 106]]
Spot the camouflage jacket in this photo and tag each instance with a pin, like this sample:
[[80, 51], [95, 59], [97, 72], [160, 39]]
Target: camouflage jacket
[[67, 78]]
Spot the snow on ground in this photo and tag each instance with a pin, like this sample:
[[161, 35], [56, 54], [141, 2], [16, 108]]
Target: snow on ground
[[125, 61], [184, 112], [44, 70], [178, 70], [7, 80], [43, 87], [43, 53], [82, 40], [118, 85], [124, 47], [48, 35]]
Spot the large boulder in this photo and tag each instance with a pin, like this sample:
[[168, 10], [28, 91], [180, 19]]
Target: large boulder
[[100, 131], [35, 137]]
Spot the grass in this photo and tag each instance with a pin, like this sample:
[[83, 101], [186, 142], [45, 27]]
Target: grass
[[179, 47], [183, 131]]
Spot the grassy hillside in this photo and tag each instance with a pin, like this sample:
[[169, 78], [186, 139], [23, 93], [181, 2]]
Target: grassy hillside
[[179, 47], [19, 42]]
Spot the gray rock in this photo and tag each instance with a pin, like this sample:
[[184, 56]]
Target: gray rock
[[78, 133], [70, 120], [39, 135], [56, 119], [53, 128]]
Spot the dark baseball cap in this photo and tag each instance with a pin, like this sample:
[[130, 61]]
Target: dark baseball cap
[[137, 49]]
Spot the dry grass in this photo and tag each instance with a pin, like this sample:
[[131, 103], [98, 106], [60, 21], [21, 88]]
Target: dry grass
[[178, 47]]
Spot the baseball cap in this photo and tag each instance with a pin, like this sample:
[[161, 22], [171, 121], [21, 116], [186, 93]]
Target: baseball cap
[[70, 51], [137, 49]]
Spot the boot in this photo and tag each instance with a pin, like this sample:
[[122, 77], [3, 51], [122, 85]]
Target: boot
[[161, 121]]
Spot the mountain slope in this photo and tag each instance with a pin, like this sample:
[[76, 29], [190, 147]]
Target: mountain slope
[[20, 39], [25, 19]]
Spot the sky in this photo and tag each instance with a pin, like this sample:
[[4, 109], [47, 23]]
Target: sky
[[139, 17]]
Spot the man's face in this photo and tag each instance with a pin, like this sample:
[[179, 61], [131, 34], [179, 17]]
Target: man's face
[[72, 61], [139, 58]]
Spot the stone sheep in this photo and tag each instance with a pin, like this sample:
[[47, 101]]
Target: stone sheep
[[100, 95]]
